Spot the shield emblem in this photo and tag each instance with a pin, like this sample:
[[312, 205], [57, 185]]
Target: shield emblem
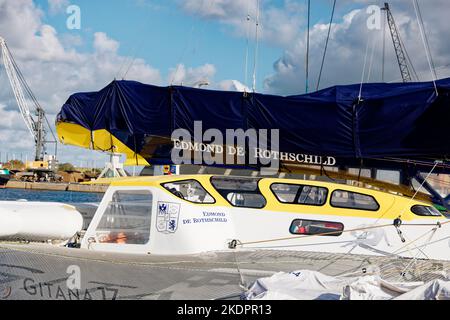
[[167, 217]]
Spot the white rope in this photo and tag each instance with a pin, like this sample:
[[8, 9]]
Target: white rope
[[364, 69], [371, 61], [242, 284], [425, 43], [420, 187], [433, 231]]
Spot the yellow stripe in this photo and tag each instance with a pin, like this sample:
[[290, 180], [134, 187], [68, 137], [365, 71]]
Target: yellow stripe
[[76, 135]]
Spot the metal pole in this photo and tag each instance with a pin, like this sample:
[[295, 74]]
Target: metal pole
[[384, 48], [307, 47]]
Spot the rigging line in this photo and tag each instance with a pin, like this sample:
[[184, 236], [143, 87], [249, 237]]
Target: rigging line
[[242, 283], [426, 39], [410, 200], [121, 67], [433, 231], [371, 60], [420, 188], [405, 248], [307, 48], [190, 39], [383, 57], [364, 70], [182, 56], [247, 45], [133, 59], [326, 45], [135, 49], [425, 43], [257, 44], [415, 162]]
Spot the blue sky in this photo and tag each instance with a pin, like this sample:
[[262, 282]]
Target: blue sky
[[164, 35]]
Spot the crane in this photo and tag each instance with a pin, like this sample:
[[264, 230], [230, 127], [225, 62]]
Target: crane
[[34, 122], [400, 50]]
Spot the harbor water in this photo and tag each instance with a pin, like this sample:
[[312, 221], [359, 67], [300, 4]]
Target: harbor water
[[49, 196]]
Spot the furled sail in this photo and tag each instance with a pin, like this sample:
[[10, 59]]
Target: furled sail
[[388, 123]]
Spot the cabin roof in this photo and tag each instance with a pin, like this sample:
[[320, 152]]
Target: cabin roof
[[205, 178]]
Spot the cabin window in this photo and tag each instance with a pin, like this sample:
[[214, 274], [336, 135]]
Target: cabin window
[[240, 192], [126, 219], [353, 200], [300, 194], [425, 211], [190, 190], [313, 227]]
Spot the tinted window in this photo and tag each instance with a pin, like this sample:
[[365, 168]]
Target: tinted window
[[425, 211], [239, 192], [190, 190], [312, 227], [299, 194], [127, 218], [353, 200]]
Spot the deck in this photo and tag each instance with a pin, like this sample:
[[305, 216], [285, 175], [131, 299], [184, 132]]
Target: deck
[[39, 271]]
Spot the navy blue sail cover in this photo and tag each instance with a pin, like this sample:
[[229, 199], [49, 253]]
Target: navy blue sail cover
[[401, 121]]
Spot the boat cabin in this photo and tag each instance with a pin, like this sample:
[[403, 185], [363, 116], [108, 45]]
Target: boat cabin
[[192, 214]]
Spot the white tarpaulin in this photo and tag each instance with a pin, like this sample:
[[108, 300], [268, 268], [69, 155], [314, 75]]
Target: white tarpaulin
[[313, 285]]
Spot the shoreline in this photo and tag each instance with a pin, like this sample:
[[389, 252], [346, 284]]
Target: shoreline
[[51, 186]]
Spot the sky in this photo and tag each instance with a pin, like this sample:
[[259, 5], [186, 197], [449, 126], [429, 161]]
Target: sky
[[189, 42]]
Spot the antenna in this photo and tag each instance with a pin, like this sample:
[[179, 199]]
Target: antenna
[[257, 45], [307, 47], [247, 44]]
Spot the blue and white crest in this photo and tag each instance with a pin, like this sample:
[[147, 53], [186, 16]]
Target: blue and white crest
[[167, 217], [163, 208]]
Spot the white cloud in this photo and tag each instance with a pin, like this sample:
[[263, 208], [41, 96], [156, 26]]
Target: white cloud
[[192, 76], [284, 25], [278, 25], [232, 85], [347, 49], [57, 6], [103, 44]]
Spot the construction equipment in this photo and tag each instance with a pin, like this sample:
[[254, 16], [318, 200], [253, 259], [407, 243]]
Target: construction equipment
[[400, 50], [36, 123]]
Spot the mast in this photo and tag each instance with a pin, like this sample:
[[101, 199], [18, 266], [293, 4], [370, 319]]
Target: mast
[[307, 48]]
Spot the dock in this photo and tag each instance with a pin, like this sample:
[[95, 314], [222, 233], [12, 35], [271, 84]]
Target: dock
[[49, 186]]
